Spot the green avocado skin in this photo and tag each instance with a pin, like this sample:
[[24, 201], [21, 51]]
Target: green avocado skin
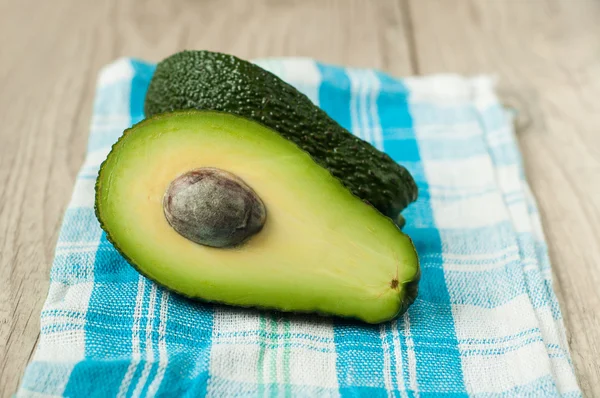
[[207, 80]]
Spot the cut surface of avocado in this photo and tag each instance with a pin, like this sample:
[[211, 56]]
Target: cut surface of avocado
[[321, 248]]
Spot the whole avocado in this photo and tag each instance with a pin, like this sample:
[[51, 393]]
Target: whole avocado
[[206, 80]]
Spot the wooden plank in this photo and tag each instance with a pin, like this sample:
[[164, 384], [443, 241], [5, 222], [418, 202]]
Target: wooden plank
[[51, 53], [547, 55]]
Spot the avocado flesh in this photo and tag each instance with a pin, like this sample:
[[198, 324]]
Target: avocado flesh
[[321, 249], [208, 80]]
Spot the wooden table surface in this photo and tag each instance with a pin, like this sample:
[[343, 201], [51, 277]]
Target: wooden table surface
[[546, 53]]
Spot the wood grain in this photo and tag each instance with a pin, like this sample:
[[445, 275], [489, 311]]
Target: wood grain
[[51, 53], [546, 52], [547, 56]]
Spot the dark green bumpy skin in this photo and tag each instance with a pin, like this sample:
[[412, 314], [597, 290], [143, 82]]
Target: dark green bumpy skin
[[213, 81]]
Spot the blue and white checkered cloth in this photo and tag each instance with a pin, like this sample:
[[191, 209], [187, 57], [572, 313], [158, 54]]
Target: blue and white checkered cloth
[[486, 321]]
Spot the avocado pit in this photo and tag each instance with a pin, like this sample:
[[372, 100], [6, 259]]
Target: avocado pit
[[213, 207]]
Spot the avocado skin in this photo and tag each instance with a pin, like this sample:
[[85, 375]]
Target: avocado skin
[[207, 80], [410, 287]]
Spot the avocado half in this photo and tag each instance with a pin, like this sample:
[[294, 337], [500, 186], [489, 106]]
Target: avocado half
[[307, 242]]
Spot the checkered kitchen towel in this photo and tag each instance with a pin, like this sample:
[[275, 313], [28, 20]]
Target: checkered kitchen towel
[[486, 322]]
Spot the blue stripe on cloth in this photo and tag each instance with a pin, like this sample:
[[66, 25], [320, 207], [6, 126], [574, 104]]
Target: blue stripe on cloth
[[334, 94], [109, 314], [500, 285], [421, 357], [143, 72], [129, 386], [488, 240], [542, 387], [458, 112], [188, 344], [442, 148], [45, 377], [104, 130], [392, 102], [83, 228], [153, 365]]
